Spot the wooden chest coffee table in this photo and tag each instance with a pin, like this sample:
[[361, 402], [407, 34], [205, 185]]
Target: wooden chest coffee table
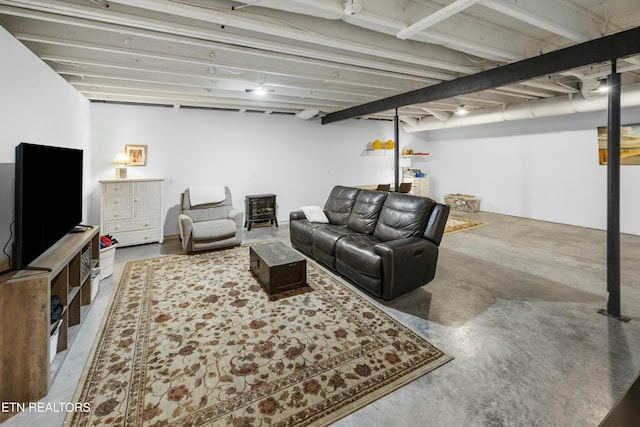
[[277, 267]]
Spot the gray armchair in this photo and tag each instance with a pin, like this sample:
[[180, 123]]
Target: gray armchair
[[212, 223]]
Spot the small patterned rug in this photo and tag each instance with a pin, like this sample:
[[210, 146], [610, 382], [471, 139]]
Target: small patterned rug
[[193, 340], [455, 224]]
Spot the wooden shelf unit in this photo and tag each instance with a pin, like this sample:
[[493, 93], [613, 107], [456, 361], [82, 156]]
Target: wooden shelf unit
[[25, 313]]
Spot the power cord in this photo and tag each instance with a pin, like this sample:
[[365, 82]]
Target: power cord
[[4, 248]]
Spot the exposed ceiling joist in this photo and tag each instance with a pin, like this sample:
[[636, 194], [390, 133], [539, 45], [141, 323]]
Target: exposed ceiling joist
[[537, 19], [318, 55], [438, 16]]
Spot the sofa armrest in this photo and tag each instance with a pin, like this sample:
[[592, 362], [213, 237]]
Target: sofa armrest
[[407, 264], [296, 215], [185, 224], [437, 223], [237, 216]]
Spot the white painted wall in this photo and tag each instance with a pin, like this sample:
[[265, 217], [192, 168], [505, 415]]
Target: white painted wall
[[37, 105], [40, 107], [253, 153], [544, 169]]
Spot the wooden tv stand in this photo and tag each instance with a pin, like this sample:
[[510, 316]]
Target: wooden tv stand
[[25, 314]]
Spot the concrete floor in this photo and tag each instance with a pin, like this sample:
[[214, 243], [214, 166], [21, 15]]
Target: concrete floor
[[515, 302]]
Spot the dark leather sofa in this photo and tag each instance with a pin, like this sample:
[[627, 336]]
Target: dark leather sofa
[[386, 243]]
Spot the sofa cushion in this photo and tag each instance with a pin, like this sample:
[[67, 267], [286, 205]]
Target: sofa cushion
[[357, 260], [358, 252], [340, 203], [366, 210], [402, 216], [300, 231], [323, 243]]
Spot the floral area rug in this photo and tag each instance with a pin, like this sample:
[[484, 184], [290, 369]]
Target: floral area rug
[[193, 340], [455, 224]]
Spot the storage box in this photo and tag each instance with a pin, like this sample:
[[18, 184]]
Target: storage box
[[53, 341], [107, 257], [277, 267], [462, 202]]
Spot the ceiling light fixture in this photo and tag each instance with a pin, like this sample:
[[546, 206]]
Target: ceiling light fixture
[[260, 90], [603, 87], [462, 110]]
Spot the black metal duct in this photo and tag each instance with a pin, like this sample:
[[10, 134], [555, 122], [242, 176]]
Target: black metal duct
[[608, 48]]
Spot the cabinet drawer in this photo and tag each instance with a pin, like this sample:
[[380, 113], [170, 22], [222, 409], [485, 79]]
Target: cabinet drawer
[[117, 214], [118, 187], [113, 227], [117, 200], [137, 237]]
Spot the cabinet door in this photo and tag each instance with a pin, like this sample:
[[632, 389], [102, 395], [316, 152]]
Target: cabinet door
[[147, 198]]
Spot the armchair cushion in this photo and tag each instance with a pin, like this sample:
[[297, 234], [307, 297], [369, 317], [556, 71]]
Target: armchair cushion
[[205, 195], [214, 230], [206, 211]]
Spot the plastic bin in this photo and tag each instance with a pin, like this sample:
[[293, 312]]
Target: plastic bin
[[107, 257], [53, 341], [95, 282]]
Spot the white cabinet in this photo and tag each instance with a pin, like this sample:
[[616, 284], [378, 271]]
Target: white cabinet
[[419, 186], [131, 210]]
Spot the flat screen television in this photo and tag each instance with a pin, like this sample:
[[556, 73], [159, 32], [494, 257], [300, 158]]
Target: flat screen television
[[48, 198]]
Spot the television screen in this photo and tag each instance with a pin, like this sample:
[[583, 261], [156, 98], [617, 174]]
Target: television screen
[[48, 198]]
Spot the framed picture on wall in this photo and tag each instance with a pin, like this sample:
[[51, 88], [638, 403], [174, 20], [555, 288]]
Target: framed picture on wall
[[137, 154], [629, 145]]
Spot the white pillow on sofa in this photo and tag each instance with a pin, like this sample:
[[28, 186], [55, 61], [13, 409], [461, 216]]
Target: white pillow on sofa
[[315, 214]]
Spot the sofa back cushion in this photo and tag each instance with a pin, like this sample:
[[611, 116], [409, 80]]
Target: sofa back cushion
[[340, 203], [366, 210], [402, 216]]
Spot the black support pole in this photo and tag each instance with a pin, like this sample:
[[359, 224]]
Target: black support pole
[[613, 196], [396, 152]]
